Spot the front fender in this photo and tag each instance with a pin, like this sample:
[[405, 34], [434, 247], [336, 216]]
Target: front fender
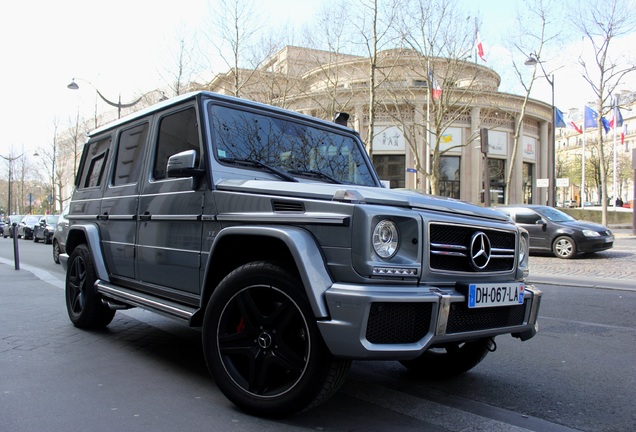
[[304, 250]]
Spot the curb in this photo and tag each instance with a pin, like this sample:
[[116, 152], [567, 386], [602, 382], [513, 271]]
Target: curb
[[588, 282]]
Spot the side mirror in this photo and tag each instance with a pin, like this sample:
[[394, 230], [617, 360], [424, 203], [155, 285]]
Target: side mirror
[[182, 165]]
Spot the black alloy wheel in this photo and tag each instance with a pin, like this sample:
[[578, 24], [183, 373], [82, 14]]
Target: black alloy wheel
[[83, 303], [262, 344]]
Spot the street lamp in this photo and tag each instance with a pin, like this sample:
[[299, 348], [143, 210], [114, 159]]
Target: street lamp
[[10, 160], [533, 60], [74, 86]]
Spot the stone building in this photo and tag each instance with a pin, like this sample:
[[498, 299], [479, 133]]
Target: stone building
[[408, 85], [619, 145]]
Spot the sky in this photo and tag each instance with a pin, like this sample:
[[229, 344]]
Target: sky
[[123, 47]]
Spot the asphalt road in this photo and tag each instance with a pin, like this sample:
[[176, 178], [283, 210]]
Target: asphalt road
[[146, 372]]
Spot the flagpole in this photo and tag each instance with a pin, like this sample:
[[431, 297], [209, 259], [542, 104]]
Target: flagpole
[[427, 148], [583, 159], [615, 125]]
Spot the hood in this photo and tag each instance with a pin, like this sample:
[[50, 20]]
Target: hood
[[580, 224], [370, 195]]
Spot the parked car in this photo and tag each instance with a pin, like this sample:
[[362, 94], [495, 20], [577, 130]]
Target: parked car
[[8, 221], [59, 235], [570, 204], [552, 230], [27, 225], [44, 228]]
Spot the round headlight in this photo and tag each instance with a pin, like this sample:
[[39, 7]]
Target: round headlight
[[385, 238]]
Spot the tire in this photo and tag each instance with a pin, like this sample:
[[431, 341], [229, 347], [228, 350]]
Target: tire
[[564, 247], [450, 359], [35, 238], [262, 344], [56, 252], [83, 302]]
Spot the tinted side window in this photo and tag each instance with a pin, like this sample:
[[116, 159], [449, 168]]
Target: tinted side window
[[130, 155], [95, 163], [177, 132], [527, 217]]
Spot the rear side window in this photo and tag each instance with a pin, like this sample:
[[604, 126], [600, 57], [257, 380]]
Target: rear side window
[[130, 155], [95, 163], [177, 132]]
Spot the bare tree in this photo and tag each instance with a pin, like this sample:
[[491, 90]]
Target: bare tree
[[439, 37], [331, 42], [234, 29], [185, 64], [537, 27], [376, 30], [601, 22]]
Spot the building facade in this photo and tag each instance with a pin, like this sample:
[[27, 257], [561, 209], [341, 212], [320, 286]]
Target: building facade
[[425, 119], [579, 146]]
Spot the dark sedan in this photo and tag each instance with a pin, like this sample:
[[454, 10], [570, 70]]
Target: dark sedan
[[27, 225], [552, 230], [8, 222], [45, 228]]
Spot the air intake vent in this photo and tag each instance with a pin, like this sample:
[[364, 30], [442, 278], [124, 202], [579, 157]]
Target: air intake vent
[[288, 207]]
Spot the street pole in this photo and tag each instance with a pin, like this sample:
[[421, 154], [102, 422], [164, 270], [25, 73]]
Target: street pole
[[533, 60], [552, 152], [10, 160], [634, 197]]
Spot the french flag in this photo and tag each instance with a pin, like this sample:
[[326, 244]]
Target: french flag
[[561, 121], [480, 48], [617, 121]]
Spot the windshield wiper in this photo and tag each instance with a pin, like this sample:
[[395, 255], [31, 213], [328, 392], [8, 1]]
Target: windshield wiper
[[259, 164], [316, 174]]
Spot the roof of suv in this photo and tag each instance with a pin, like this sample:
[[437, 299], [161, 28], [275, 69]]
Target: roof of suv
[[193, 95]]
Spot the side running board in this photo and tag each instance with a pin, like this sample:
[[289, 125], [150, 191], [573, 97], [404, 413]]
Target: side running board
[[146, 301]]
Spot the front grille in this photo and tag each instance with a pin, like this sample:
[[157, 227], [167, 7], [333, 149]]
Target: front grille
[[450, 248], [463, 319], [394, 323]]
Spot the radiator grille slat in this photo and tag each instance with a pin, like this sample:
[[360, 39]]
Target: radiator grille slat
[[463, 319], [449, 247]]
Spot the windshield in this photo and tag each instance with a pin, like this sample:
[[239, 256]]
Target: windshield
[[31, 220], [555, 215], [302, 150], [52, 220]]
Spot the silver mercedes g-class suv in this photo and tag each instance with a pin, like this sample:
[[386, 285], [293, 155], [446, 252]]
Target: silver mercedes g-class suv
[[271, 231]]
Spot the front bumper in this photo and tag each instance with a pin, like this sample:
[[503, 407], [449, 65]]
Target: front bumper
[[595, 244], [387, 322]]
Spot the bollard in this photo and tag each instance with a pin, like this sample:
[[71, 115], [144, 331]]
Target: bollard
[[16, 250]]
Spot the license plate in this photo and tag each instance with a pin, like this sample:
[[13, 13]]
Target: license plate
[[495, 294]]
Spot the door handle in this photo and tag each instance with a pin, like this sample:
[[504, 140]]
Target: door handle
[[144, 217]]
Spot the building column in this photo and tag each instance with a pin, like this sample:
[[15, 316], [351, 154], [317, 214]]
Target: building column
[[472, 164]]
